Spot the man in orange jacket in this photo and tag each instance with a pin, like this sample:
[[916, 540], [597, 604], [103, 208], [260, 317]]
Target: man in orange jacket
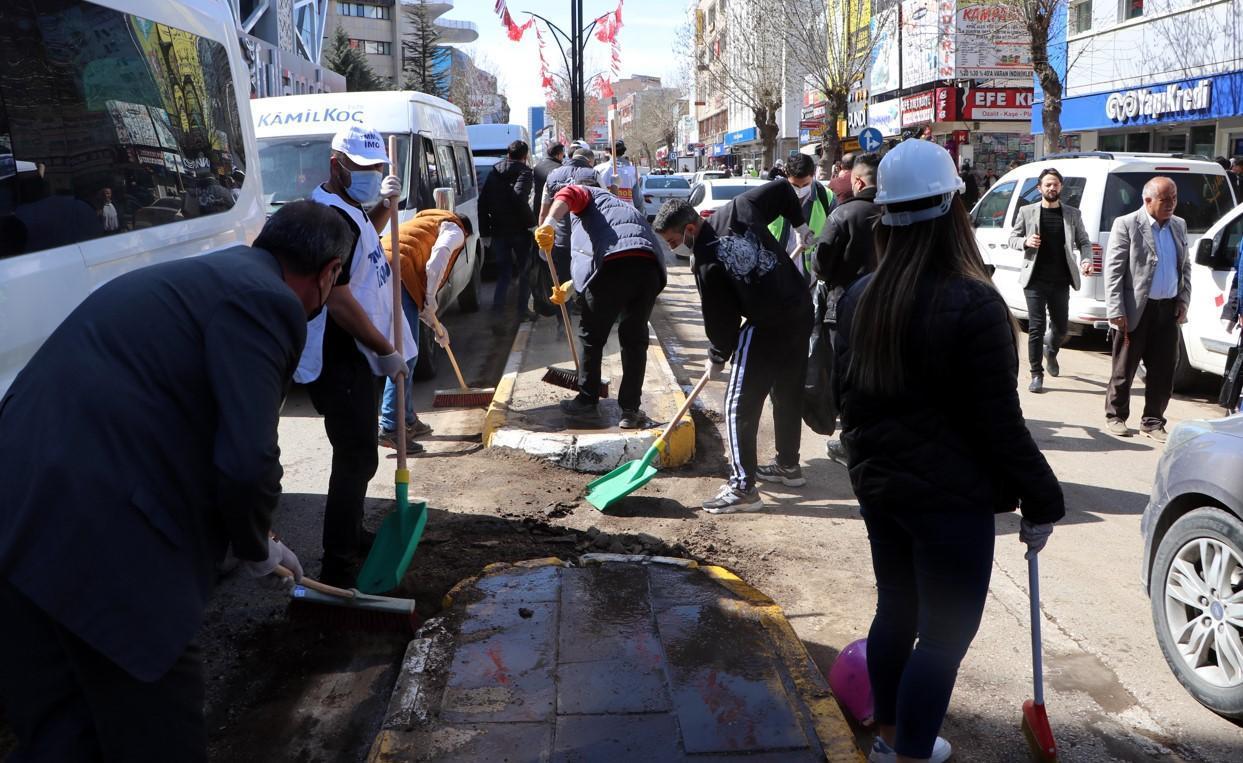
[[430, 244]]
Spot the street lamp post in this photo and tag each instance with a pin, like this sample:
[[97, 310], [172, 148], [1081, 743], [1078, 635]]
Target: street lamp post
[[574, 62]]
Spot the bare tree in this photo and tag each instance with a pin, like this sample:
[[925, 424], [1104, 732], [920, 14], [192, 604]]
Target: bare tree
[[748, 64], [831, 43], [655, 122], [558, 104]]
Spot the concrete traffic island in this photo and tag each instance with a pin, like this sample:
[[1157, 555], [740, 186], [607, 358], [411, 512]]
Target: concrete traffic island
[[623, 658], [525, 415]]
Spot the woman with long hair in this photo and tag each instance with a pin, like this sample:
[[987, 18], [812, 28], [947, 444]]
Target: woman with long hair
[[935, 440]]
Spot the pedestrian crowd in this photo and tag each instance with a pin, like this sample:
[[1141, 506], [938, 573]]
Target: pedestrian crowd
[[107, 561]]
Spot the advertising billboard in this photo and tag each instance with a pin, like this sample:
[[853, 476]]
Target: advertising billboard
[[991, 42], [885, 73]]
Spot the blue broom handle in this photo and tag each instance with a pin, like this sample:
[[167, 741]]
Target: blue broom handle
[[1033, 587]]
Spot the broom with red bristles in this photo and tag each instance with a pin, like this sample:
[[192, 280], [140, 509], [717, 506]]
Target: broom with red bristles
[[564, 377], [464, 397], [1035, 720]]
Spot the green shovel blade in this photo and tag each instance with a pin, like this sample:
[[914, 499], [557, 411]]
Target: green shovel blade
[[604, 491], [394, 546]]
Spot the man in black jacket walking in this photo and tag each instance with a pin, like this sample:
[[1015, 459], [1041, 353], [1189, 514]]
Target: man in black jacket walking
[[171, 377], [742, 272], [553, 160], [846, 252], [506, 218]]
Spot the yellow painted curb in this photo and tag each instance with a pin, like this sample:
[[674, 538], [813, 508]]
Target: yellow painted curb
[[680, 444], [498, 409]]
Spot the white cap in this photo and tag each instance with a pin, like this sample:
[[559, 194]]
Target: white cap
[[362, 145]]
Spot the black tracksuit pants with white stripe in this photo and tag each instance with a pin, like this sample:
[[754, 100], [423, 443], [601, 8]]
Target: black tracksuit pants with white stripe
[[769, 360]]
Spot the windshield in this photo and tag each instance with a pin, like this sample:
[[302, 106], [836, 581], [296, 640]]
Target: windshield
[[1202, 199], [665, 182], [724, 192], [293, 166]]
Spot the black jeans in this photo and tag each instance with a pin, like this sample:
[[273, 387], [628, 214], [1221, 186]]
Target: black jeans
[[625, 288], [513, 257], [67, 702], [932, 572], [1055, 298], [1154, 341], [347, 394], [769, 360]]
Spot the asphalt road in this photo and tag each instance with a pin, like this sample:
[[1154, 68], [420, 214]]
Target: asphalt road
[[1109, 692]]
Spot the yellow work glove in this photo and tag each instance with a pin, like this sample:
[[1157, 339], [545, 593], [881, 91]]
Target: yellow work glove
[[544, 236], [561, 294]]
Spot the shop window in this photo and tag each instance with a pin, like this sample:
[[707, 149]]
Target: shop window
[[990, 212], [109, 122], [1203, 139], [1138, 142], [1111, 143], [1081, 17], [1132, 9]]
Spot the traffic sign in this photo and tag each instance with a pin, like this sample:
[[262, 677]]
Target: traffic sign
[[869, 139]]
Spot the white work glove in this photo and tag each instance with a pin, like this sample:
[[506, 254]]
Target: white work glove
[[1034, 535], [278, 553], [440, 333], [390, 187], [393, 365], [803, 237]]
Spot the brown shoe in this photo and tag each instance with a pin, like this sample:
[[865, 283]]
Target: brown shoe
[[1159, 434], [1118, 427]]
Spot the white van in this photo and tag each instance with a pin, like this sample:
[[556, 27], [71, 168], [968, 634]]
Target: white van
[[490, 143], [295, 132], [1103, 186], [125, 138], [1205, 339]]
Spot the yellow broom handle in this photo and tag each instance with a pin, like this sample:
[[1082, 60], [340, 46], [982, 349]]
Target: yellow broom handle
[[456, 369], [565, 314], [398, 318]]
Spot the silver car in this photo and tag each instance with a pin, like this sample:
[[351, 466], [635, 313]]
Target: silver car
[[1193, 560], [657, 189]]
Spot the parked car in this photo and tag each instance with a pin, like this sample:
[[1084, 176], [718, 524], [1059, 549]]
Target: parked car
[[711, 195], [1205, 339], [657, 189], [1192, 567], [703, 175], [1104, 186]]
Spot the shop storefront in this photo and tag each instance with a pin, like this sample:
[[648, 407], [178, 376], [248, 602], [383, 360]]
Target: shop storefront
[[990, 127], [1201, 115], [885, 116], [745, 147]]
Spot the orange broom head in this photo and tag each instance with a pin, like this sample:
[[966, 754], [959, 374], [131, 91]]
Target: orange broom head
[[1039, 734], [463, 398]]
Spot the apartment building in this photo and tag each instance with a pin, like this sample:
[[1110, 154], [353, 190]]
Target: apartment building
[[377, 27]]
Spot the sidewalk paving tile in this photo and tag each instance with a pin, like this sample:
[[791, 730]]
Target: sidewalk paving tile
[[535, 584], [672, 587], [605, 615], [610, 686], [608, 738], [499, 742], [727, 690]]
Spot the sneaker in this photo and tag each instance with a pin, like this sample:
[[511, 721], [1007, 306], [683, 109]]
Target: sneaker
[[791, 476], [836, 451], [1037, 384], [1158, 433], [635, 419], [1117, 427], [1050, 361], [418, 429], [577, 406], [883, 753], [389, 440], [731, 501]]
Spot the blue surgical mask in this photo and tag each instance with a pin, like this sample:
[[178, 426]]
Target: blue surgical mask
[[365, 186]]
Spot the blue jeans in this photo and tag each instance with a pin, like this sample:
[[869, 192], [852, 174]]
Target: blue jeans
[[512, 253], [932, 570], [388, 408]]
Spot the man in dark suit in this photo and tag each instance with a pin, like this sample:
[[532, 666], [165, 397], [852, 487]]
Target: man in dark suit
[[169, 381]]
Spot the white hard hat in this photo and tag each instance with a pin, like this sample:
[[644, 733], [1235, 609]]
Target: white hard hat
[[362, 145], [916, 169]]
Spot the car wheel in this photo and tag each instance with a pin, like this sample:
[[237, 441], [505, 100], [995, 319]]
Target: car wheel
[[1185, 375], [425, 367], [468, 300], [1196, 587]]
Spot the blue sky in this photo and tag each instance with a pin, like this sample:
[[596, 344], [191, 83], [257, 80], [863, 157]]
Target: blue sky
[[648, 38]]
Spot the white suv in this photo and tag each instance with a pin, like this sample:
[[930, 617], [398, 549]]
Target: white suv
[[1103, 186]]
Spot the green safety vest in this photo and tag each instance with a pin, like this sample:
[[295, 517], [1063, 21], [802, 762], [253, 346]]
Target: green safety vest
[[818, 215]]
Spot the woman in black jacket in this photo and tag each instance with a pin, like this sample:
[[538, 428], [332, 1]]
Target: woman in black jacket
[[936, 442]]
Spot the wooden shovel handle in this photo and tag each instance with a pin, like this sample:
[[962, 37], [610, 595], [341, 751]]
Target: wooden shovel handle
[[314, 585], [686, 406]]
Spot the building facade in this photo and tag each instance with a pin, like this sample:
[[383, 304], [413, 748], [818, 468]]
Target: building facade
[[1152, 75], [282, 41], [377, 27]]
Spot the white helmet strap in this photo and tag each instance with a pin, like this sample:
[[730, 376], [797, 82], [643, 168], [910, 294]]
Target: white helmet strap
[[910, 217]]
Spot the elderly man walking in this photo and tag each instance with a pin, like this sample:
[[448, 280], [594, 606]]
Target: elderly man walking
[[1148, 288]]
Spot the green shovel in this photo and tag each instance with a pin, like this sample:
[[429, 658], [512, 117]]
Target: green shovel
[[605, 491]]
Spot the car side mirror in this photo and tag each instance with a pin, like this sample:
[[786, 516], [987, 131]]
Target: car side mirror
[[1204, 252]]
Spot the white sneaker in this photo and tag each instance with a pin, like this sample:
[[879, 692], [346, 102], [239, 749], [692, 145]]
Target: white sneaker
[[731, 501], [883, 753]]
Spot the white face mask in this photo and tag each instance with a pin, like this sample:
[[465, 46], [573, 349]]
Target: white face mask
[[804, 193], [686, 248]]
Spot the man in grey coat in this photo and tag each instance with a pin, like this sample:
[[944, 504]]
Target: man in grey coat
[[1148, 288], [1049, 234]]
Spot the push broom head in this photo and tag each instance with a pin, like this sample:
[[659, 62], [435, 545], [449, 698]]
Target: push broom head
[[364, 613], [568, 379], [463, 398], [1038, 732]]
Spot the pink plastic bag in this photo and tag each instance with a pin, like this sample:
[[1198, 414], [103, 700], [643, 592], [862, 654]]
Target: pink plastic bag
[[848, 678]]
